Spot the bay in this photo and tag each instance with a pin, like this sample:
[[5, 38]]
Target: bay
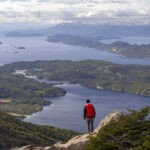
[[37, 48], [67, 111]]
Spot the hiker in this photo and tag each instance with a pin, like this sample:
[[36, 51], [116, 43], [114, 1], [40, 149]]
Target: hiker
[[89, 114]]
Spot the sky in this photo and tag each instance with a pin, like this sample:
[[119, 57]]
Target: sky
[[67, 11]]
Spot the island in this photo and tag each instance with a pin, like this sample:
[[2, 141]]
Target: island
[[120, 48], [95, 74], [21, 47]]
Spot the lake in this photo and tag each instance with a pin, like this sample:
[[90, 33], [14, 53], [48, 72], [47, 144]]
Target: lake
[[37, 48], [67, 111]]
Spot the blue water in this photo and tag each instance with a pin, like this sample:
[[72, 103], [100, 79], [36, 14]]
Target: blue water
[[37, 48], [67, 111]]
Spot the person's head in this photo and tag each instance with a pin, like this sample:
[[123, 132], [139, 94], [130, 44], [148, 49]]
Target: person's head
[[87, 101]]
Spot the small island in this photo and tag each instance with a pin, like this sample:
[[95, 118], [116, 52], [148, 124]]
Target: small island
[[21, 47]]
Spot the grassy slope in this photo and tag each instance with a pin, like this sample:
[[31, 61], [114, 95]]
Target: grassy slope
[[131, 132], [14, 132]]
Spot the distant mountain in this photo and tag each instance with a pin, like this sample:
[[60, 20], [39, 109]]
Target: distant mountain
[[92, 30], [96, 30]]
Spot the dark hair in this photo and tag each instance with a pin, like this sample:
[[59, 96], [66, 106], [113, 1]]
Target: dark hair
[[87, 101]]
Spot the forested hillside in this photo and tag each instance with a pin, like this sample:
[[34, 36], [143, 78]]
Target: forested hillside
[[23, 96], [91, 73], [15, 133], [131, 132]]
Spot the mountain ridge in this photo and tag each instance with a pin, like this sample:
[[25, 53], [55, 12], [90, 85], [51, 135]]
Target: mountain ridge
[[80, 29], [117, 131], [77, 142]]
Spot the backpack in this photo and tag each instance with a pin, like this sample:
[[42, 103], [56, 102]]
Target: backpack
[[90, 111]]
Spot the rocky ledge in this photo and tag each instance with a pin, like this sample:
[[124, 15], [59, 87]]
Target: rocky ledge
[[77, 142]]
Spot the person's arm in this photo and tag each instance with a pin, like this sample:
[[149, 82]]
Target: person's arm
[[84, 113], [94, 112]]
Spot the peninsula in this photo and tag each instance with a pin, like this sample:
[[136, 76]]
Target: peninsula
[[120, 48]]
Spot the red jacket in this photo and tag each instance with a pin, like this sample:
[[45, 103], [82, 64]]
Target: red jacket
[[89, 111]]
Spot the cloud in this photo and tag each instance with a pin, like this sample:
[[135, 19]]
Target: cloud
[[91, 11]]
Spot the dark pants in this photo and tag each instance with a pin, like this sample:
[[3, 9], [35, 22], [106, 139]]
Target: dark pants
[[90, 122]]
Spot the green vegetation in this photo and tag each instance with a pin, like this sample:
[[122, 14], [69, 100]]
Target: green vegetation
[[15, 133], [119, 48], [26, 95], [91, 73], [21, 95], [129, 132]]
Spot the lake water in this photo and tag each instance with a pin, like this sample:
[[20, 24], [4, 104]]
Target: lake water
[[67, 111], [37, 48]]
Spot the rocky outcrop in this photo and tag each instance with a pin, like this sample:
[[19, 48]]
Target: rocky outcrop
[[77, 142], [30, 147]]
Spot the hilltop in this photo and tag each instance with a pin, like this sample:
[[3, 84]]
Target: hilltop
[[117, 131]]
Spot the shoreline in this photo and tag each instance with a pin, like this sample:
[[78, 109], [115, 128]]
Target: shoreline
[[57, 83]]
